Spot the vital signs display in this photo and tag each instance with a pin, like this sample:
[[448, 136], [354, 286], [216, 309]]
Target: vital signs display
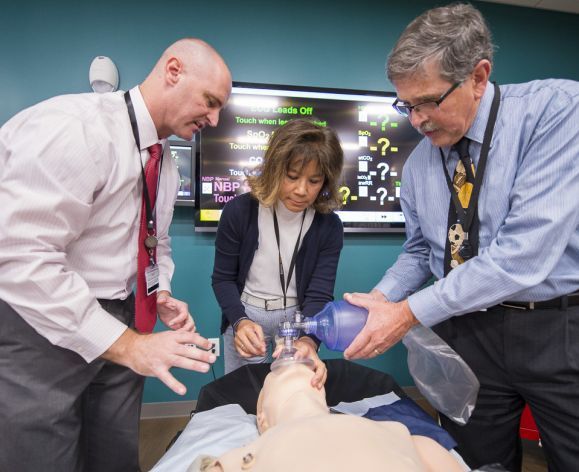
[[376, 142]]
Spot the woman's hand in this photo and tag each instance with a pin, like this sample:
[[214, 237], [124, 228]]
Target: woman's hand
[[249, 339], [306, 349]]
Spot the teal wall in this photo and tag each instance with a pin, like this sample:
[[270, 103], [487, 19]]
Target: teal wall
[[46, 49]]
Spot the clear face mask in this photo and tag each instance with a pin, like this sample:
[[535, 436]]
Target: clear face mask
[[288, 332]]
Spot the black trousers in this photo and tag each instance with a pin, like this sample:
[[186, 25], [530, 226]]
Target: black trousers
[[58, 413], [519, 356]]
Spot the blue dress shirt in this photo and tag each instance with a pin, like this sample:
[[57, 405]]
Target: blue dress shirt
[[528, 209]]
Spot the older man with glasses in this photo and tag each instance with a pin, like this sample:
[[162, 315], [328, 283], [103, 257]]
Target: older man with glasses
[[490, 198]]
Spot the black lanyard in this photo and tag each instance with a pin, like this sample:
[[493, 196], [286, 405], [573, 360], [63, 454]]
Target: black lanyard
[[465, 218], [135, 128], [285, 286]]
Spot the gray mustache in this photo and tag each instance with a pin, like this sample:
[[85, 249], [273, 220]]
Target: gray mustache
[[427, 128]]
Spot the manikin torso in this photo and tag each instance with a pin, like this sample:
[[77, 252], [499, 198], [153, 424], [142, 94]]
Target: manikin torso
[[328, 443], [298, 434]]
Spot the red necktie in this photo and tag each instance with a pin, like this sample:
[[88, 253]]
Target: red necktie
[[146, 306]]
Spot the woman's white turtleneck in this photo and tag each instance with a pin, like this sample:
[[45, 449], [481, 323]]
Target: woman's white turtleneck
[[263, 277]]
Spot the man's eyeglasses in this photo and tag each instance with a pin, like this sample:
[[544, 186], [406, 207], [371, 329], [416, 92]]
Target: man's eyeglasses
[[428, 106]]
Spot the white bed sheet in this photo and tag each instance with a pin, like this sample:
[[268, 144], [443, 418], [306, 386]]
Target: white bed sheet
[[226, 427], [210, 432]]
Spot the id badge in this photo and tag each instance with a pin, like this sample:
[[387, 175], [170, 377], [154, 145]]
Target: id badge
[[152, 278]]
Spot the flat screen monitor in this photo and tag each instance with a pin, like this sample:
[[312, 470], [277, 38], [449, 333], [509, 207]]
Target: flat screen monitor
[[376, 142], [185, 154]]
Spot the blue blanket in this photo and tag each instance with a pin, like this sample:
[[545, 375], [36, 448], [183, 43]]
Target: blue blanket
[[415, 418]]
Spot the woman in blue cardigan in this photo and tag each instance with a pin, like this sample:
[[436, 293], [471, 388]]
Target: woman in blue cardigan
[[278, 246]]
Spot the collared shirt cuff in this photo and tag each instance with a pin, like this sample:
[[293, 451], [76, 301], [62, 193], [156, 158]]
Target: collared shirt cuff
[[164, 283], [391, 289], [95, 335], [426, 308]]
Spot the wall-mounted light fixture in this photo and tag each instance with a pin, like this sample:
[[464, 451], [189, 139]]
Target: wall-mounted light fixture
[[103, 75]]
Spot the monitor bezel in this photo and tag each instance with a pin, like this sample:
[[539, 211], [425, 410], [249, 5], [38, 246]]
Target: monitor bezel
[[183, 200], [349, 227]]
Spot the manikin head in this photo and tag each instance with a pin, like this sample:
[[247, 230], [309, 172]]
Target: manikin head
[[186, 89], [287, 394]]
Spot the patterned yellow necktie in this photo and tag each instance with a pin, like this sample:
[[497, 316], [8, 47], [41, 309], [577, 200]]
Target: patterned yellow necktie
[[463, 182]]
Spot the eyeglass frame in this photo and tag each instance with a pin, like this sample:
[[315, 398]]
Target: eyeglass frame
[[411, 108]]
